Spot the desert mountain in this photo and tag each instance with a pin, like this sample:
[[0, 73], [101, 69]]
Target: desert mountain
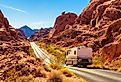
[[28, 31], [17, 63], [98, 26], [41, 34]]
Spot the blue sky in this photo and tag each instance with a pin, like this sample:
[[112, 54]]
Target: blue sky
[[38, 13]]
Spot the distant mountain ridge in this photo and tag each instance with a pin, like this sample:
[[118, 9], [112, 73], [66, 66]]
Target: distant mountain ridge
[[28, 31], [41, 34]]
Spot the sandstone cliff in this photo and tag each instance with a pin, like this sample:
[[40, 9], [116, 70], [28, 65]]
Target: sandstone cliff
[[40, 35], [18, 64], [98, 26], [21, 34], [61, 22], [7, 32]]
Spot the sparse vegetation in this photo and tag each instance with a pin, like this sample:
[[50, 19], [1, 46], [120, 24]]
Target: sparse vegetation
[[97, 61], [31, 52], [56, 52], [25, 79], [55, 66], [66, 72], [55, 77]]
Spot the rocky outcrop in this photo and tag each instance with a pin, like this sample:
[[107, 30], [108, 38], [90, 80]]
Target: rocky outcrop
[[97, 26], [111, 55], [18, 64], [7, 32], [98, 23], [61, 22], [111, 51], [40, 35], [21, 34]]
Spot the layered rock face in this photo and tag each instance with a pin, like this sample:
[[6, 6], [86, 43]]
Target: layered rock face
[[7, 32], [18, 64], [97, 26], [14, 53], [40, 35], [21, 34], [61, 22]]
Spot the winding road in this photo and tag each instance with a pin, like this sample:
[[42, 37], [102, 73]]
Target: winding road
[[90, 75]]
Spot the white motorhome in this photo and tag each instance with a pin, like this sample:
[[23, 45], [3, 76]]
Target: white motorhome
[[79, 56]]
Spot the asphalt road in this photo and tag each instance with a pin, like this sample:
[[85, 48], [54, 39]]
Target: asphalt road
[[40, 53], [90, 75]]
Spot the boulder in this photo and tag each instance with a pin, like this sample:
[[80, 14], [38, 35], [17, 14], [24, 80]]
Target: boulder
[[61, 22]]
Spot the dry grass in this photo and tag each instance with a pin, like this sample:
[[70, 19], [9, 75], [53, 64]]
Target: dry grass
[[55, 76], [31, 52], [66, 72], [25, 79], [55, 66], [58, 72], [56, 52]]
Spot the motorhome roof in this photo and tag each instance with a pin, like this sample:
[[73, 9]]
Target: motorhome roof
[[77, 47]]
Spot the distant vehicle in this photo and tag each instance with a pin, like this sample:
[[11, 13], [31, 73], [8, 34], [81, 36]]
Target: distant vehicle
[[79, 56]]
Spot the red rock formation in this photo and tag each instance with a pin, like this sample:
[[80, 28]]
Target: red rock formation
[[6, 31], [97, 26], [97, 21], [111, 51], [40, 35], [61, 22], [16, 61], [21, 34]]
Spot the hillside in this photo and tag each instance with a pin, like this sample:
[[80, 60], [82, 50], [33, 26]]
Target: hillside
[[41, 34], [98, 26], [18, 64]]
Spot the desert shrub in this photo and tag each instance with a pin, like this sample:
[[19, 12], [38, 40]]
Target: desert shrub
[[25, 79], [55, 77], [55, 66], [54, 50], [31, 52], [25, 71], [47, 68], [97, 60], [11, 75], [66, 72]]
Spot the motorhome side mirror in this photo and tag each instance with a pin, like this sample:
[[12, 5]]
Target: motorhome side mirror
[[65, 53]]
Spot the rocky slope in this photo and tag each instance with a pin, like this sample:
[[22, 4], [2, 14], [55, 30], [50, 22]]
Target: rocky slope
[[17, 64], [41, 34], [61, 22], [21, 34], [6, 31], [98, 26]]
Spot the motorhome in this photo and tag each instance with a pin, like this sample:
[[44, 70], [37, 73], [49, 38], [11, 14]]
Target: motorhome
[[79, 56]]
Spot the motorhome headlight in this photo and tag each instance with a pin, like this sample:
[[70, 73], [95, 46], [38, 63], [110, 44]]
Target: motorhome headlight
[[90, 60]]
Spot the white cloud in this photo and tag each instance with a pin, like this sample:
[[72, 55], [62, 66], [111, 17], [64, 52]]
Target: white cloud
[[12, 8]]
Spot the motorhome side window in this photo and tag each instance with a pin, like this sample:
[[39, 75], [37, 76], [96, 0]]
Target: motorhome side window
[[74, 52], [68, 52]]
